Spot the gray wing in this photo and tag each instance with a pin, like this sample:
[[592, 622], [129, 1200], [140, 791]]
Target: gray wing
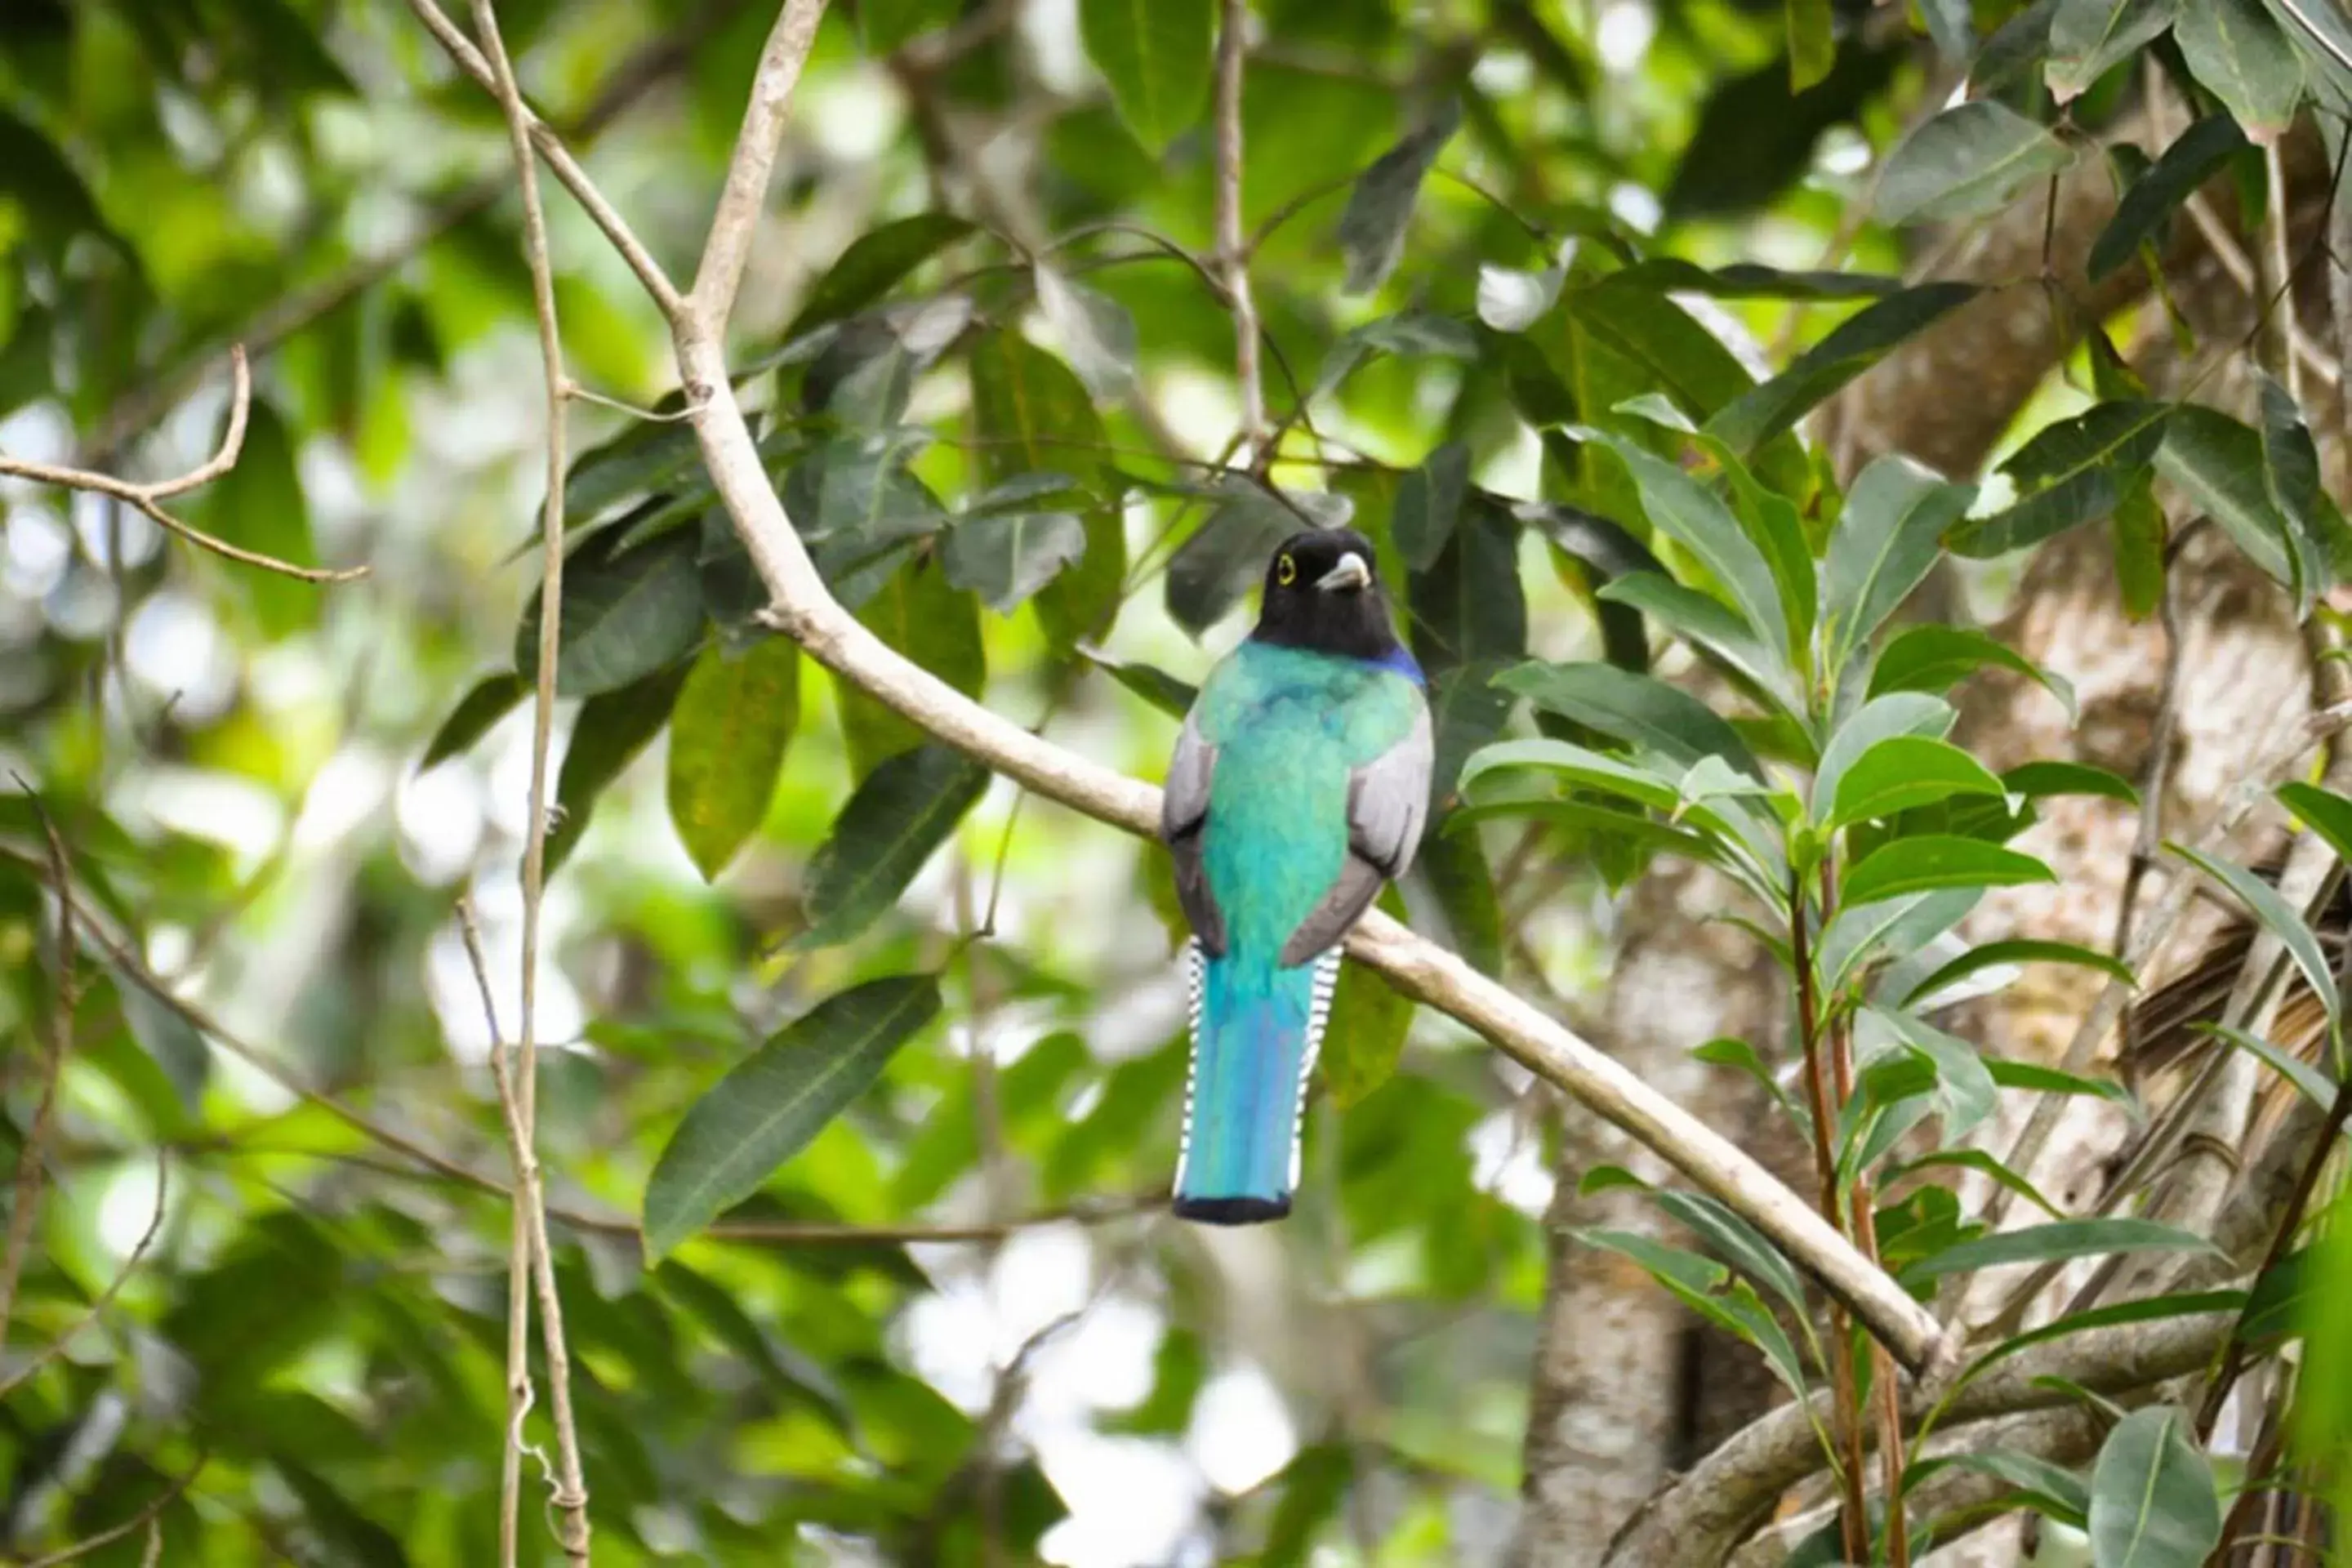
[[1183, 814], [1388, 802]]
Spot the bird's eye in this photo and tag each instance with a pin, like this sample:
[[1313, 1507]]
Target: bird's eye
[[1286, 571]]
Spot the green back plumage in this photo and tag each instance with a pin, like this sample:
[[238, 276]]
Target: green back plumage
[[1289, 726]]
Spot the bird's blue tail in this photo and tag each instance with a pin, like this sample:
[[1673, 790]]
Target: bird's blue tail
[[1255, 1029]]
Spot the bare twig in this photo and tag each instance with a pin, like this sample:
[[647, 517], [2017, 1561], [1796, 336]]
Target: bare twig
[[1232, 252], [146, 1516], [807, 612], [518, 1078], [56, 1346], [746, 190], [150, 497]]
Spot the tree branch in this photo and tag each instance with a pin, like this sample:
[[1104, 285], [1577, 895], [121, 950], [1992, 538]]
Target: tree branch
[[746, 190], [517, 1078], [148, 498], [1233, 244], [805, 611]]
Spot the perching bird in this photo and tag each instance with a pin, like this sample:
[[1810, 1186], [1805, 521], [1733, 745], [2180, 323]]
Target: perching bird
[[1298, 786]]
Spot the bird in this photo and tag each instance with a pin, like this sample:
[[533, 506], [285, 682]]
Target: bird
[[1299, 787]]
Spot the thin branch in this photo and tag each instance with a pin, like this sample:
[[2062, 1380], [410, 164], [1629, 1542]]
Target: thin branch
[[566, 169], [145, 1517], [91, 1314], [745, 193], [517, 1078], [805, 611], [1232, 252], [150, 497]]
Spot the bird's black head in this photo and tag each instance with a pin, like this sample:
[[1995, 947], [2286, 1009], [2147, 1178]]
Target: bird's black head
[[1323, 592]]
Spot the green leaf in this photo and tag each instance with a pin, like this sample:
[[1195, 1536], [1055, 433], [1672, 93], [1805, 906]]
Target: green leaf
[[260, 504], [1156, 686], [1379, 208], [1585, 769], [1034, 416], [2240, 55], [2019, 949], [2074, 471], [2291, 480], [1636, 708], [492, 699], [1748, 280], [878, 260], [1415, 333], [1901, 925], [1983, 1164], [885, 25], [918, 615], [1662, 340], [1813, 48], [1428, 500], [1903, 772], [770, 1104], [2049, 1489], [1965, 1093], [1888, 539], [2040, 1079], [1456, 871], [906, 809], [727, 739], [2191, 160], [2217, 464], [1096, 332], [1856, 344], [1967, 161], [1368, 1027], [2153, 1503], [2089, 36], [1934, 657], [2324, 811], [1692, 517], [2277, 916], [612, 728], [1469, 607], [1901, 713], [1709, 625], [2139, 529], [626, 614], [2055, 1242], [2308, 1080], [1228, 556], [2037, 779], [1156, 56], [164, 1033], [1939, 860], [1006, 556]]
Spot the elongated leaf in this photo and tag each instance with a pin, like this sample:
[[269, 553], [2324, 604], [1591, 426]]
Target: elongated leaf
[[2056, 1241], [877, 261], [612, 728], [771, 1103], [2051, 1489], [491, 698], [2217, 463], [1748, 280], [1369, 1024], [2074, 473], [1006, 556], [1466, 710], [1897, 925], [1660, 337], [1984, 1165], [2040, 1079], [2291, 480], [260, 504], [1406, 333], [1156, 54], [1888, 539], [1936, 658], [1738, 1242], [1939, 860], [166, 1036], [2036, 780], [1636, 709], [1967, 161], [1901, 713], [1226, 556], [2140, 532], [906, 809], [2278, 917], [1456, 871], [1162, 690], [1856, 344], [1692, 517], [1379, 208], [1965, 1092], [1469, 607], [1581, 767], [1428, 500], [2153, 1503], [1906, 770], [1708, 625], [727, 739], [2089, 36], [2019, 949], [2239, 53], [2325, 812], [2308, 1080], [2191, 160], [1813, 48], [917, 613], [626, 615], [1035, 416]]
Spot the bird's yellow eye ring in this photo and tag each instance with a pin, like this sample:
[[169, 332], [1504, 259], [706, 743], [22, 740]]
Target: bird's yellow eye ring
[[1286, 571]]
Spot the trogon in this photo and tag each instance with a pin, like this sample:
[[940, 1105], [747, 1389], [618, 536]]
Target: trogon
[[1299, 787]]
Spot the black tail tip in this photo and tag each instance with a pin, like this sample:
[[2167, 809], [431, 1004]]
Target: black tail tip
[[1232, 1211]]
